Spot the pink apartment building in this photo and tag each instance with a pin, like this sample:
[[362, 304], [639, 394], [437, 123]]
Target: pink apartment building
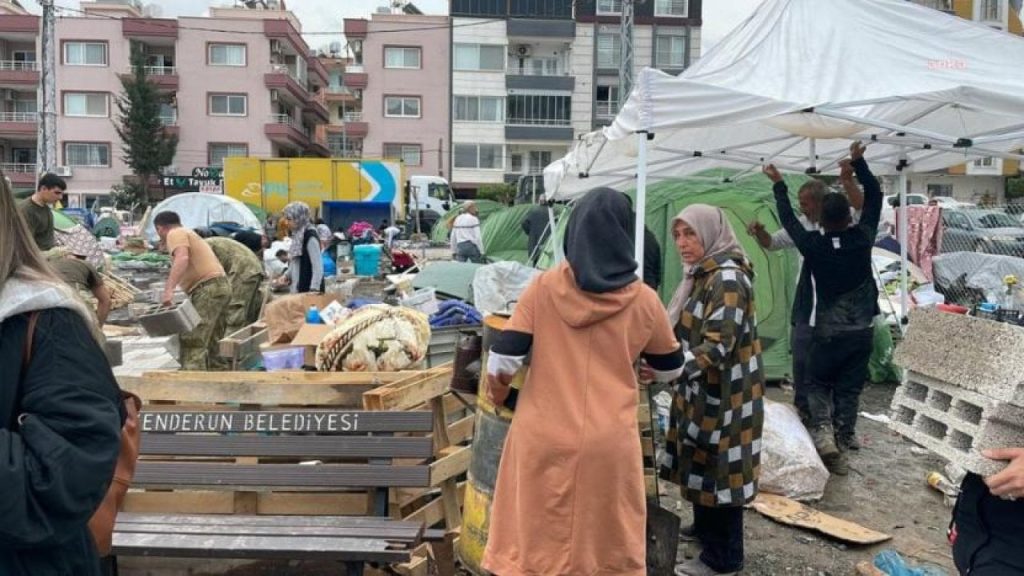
[[241, 82], [400, 74]]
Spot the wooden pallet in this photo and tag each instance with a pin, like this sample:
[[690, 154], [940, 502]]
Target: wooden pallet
[[242, 347]]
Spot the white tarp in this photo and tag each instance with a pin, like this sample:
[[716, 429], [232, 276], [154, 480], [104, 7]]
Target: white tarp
[[197, 209], [799, 80]]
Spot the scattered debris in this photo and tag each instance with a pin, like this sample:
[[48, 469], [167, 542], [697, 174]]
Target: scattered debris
[[880, 418], [793, 513]]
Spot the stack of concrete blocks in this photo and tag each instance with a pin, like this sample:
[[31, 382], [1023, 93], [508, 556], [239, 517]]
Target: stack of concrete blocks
[[964, 387]]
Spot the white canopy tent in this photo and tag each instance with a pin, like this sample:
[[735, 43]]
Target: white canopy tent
[[796, 83]]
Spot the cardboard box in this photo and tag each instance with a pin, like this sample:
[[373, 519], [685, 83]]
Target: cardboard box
[[309, 337], [285, 315]]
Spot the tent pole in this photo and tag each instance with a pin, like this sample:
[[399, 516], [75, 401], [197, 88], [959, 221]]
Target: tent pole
[[641, 201], [902, 219], [812, 155], [556, 246]]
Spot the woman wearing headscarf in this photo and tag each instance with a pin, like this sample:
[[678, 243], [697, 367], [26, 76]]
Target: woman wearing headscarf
[[714, 437], [569, 497], [307, 266]]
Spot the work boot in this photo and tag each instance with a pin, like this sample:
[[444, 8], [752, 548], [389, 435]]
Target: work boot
[[688, 533], [824, 441], [847, 442], [838, 465], [697, 567]]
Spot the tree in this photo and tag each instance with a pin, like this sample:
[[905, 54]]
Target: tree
[[501, 193], [148, 148]]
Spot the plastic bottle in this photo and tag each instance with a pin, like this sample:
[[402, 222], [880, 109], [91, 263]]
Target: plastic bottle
[[313, 316]]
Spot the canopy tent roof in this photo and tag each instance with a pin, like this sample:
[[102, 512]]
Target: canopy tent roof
[[800, 79]]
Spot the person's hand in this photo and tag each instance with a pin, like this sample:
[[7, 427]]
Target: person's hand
[[755, 228], [168, 298], [846, 170], [498, 387], [1008, 484], [772, 173], [857, 150], [646, 373]]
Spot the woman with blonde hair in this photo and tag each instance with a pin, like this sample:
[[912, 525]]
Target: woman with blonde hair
[[714, 437], [60, 414]]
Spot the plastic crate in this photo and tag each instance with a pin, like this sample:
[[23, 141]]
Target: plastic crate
[[424, 300]]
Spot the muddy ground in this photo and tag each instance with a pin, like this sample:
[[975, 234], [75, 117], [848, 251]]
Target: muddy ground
[[885, 491]]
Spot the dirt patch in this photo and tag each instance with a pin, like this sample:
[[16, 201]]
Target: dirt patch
[[885, 491]]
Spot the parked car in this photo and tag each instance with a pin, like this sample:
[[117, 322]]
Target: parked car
[[889, 203], [979, 230], [947, 202]]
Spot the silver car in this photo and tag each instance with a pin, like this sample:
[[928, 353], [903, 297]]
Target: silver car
[[980, 230]]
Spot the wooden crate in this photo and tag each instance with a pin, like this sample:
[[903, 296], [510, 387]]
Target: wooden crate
[[242, 348]]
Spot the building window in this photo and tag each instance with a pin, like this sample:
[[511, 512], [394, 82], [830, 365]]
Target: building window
[[609, 50], [670, 50], [216, 153], [400, 57], [940, 190], [674, 8], [530, 109], [516, 163], [226, 55], [87, 154], [228, 104], [607, 101], [88, 104], [609, 6], [479, 156], [85, 53], [402, 107], [985, 162], [538, 160], [23, 55], [411, 154], [990, 11], [479, 109], [488, 57]]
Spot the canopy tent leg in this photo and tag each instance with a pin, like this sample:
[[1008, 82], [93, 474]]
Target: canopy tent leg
[[903, 219], [641, 201], [556, 246], [812, 156]]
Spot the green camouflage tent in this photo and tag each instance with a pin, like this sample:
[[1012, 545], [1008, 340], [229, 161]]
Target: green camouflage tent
[[742, 201]]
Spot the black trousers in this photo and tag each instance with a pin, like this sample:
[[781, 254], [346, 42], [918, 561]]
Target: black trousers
[[988, 531], [838, 366], [720, 531], [800, 342]]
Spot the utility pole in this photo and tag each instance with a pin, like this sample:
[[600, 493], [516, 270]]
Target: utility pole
[[626, 52], [46, 148]]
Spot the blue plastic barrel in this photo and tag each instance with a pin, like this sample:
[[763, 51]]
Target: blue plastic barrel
[[367, 257]]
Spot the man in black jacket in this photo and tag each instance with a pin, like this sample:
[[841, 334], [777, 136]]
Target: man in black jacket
[[840, 261]]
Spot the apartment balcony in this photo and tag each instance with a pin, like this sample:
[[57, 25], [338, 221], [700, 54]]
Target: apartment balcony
[[606, 109], [20, 174], [339, 94], [17, 74], [149, 28], [353, 126], [170, 123], [316, 110], [282, 78], [527, 78], [538, 129], [533, 28], [165, 77], [19, 124], [355, 79], [22, 26], [283, 129], [356, 28]]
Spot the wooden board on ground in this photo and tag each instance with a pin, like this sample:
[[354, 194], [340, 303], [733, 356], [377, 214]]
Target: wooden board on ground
[[793, 513]]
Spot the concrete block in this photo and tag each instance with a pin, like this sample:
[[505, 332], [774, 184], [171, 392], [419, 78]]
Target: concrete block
[[955, 423], [972, 353]]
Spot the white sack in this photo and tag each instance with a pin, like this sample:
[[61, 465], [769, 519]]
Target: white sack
[[790, 466], [496, 287]]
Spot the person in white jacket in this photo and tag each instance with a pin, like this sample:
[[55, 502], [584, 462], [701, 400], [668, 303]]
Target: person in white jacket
[[467, 244]]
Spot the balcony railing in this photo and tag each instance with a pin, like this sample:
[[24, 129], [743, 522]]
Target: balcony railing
[[355, 68], [518, 121], [169, 119], [161, 70], [291, 72], [528, 71], [338, 90], [19, 65], [20, 117], [342, 152], [282, 119], [353, 117], [18, 168], [607, 109]]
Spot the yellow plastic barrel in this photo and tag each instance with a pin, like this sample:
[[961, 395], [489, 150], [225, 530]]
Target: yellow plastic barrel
[[492, 424]]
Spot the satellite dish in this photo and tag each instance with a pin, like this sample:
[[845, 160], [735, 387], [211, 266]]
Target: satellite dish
[[335, 47], [152, 10]]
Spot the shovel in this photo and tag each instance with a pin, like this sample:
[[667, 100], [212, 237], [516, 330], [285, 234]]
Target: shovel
[[662, 529]]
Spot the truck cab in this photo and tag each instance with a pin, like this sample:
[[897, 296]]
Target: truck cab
[[429, 199]]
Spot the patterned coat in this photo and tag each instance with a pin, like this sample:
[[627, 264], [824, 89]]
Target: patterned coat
[[714, 437]]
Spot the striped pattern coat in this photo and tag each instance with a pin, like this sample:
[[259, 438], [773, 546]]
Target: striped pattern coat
[[714, 438]]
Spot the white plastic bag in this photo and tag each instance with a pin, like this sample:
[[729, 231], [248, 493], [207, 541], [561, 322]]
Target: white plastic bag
[[790, 466], [496, 287]]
